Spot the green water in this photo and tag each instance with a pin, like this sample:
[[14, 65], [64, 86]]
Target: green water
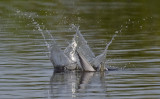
[[25, 69]]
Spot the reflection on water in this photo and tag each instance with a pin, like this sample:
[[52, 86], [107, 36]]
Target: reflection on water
[[123, 84], [25, 69], [90, 85]]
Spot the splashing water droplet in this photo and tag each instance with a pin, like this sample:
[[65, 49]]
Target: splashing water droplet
[[35, 23], [17, 11], [116, 31]]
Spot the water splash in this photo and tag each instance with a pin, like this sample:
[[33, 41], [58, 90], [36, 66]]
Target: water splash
[[78, 42], [37, 26], [77, 53], [100, 60]]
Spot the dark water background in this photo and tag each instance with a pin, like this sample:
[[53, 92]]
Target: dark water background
[[26, 72]]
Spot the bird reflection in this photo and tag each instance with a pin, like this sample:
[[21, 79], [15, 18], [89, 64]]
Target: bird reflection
[[85, 79], [73, 83]]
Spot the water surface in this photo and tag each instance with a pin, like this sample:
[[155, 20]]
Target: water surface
[[25, 69]]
